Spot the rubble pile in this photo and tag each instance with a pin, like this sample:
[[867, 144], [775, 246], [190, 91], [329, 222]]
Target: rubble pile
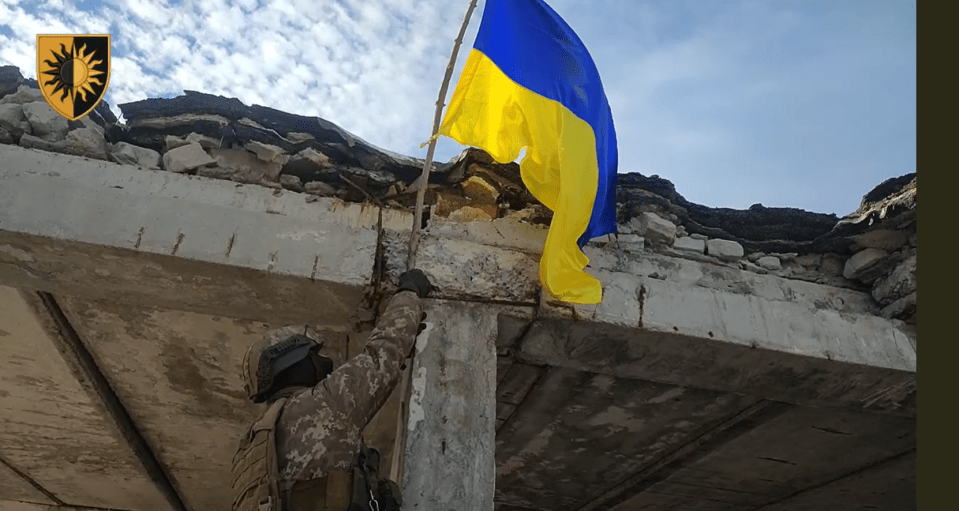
[[873, 249]]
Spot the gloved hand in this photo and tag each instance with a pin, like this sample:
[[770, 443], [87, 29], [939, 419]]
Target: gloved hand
[[415, 280]]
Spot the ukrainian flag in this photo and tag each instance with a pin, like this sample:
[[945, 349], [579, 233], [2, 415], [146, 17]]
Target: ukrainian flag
[[529, 82]]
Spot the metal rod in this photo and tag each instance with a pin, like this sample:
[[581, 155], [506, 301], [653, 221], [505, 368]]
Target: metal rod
[[424, 177]]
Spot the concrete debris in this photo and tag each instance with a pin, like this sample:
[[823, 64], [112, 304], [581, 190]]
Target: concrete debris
[[680, 231], [746, 265], [690, 244], [769, 262], [724, 249], [307, 161], [268, 153], [862, 261], [832, 264], [129, 154], [912, 240], [810, 261], [477, 189], [658, 230], [469, 214], [205, 141], [14, 122], [291, 183], [899, 283], [319, 188], [884, 239], [45, 122], [632, 243], [903, 308], [186, 158], [23, 95], [6, 137], [171, 142], [80, 142], [637, 226], [696, 236], [754, 256], [245, 166]]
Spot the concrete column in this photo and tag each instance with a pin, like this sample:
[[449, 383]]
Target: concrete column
[[449, 458]]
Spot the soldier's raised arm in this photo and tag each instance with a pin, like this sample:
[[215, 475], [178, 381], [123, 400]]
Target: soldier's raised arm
[[320, 429]]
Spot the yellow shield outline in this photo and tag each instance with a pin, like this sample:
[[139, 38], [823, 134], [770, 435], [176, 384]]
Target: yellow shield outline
[[89, 69]]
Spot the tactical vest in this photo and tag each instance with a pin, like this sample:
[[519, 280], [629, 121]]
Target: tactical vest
[[257, 485]]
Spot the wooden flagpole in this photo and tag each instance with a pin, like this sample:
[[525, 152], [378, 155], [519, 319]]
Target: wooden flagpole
[[424, 177], [399, 444]]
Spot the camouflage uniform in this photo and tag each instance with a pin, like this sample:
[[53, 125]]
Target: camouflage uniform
[[318, 430]]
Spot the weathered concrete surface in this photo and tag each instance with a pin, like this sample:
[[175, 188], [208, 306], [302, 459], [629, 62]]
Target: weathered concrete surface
[[786, 349], [579, 433], [54, 429], [801, 459], [887, 486], [178, 375], [15, 487], [233, 244], [449, 452]]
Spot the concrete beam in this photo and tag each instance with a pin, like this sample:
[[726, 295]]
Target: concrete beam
[[449, 458], [712, 339], [91, 228]]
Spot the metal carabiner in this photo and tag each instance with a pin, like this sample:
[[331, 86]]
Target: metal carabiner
[[374, 505]]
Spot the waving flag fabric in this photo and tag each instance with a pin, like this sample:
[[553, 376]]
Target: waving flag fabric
[[529, 82]]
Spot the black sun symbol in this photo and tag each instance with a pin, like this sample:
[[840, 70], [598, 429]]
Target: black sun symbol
[[73, 72]]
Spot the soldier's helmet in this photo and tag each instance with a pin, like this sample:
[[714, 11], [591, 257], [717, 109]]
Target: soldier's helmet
[[278, 350]]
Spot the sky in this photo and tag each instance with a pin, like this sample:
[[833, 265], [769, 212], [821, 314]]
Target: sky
[[785, 103]]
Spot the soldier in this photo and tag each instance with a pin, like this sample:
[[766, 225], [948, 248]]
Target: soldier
[[305, 452]]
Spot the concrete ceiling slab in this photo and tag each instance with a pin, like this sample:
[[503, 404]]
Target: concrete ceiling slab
[[178, 375], [889, 486], [577, 434], [54, 429], [15, 487]]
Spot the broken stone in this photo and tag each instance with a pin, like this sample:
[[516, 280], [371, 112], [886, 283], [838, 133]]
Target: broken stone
[[754, 256], [468, 214], [186, 158], [912, 239], [623, 229], [13, 122], [832, 264], [204, 141], [769, 262], [697, 236], [746, 265], [216, 172], [312, 159], [884, 239], [297, 137], [319, 188], [658, 230], [246, 167], [862, 261], [724, 249], [268, 153], [45, 122], [291, 183], [903, 308], [129, 154], [786, 257], [23, 95], [80, 142], [631, 242], [477, 189], [636, 225], [172, 142], [897, 284], [810, 261], [680, 231], [689, 244], [447, 203]]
